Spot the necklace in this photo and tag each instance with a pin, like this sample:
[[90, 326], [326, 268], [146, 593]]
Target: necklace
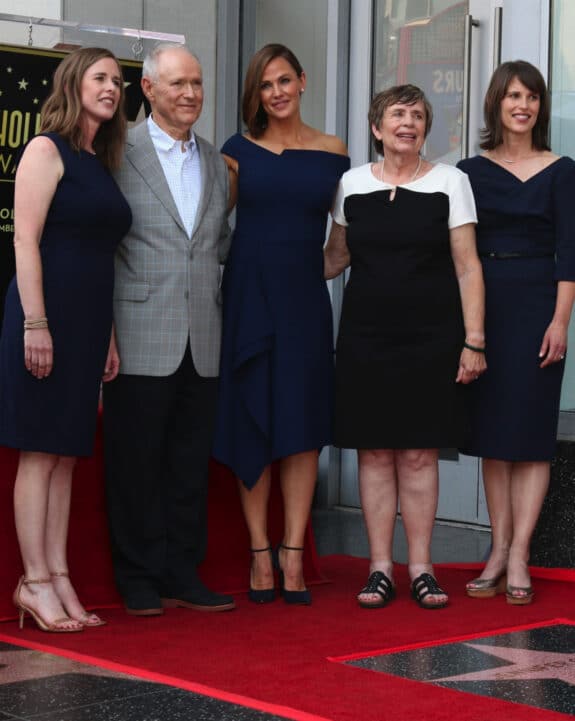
[[518, 160], [413, 177], [515, 160]]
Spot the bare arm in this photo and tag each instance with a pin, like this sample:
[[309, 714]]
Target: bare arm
[[38, 174], [470, 278], [554, 342], [233, 170], [336, 253]]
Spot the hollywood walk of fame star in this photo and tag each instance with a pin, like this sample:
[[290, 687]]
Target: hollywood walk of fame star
[[25, 665], [523, 665]]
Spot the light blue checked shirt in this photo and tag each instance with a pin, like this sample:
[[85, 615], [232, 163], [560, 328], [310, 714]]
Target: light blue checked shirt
[[181, 166]]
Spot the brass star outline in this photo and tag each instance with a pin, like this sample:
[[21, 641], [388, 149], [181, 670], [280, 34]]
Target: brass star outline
[[524, 665]]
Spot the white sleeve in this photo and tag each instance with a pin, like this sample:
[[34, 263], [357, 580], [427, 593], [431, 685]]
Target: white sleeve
[[461, 201], [338, 214]]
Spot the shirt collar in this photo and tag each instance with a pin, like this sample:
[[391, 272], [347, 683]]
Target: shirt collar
[[165, 142]]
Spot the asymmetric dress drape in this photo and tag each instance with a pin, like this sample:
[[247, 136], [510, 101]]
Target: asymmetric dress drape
[[401, 332], [86, 220], [526, 241], [276, 374]]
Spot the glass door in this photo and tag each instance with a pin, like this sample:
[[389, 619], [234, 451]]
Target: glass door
[[447, 48]]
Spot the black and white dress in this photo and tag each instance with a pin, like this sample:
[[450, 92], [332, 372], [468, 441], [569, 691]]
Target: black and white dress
[[401, 331]]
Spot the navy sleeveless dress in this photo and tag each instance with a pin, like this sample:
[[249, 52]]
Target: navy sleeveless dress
[[515, 404], [86, 220], [276, 375]]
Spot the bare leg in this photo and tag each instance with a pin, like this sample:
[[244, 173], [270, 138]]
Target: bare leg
[[255, 507], [298, 475], [418, 482], [31, 504], [59, 499], [529, 484], [497, 477], [378, 493]]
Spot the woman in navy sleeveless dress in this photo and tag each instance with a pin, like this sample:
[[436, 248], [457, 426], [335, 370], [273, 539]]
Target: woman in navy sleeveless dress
[[56, 340], [524, 197], [276, 371]]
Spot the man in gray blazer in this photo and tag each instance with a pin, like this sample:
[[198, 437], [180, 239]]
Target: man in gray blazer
[[159, 412]]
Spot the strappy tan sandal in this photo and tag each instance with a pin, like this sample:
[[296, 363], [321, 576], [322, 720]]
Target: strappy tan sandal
[[54, 627], [87, 619]]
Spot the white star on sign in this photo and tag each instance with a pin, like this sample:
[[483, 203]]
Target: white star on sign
[[524, 665], [23, 84]]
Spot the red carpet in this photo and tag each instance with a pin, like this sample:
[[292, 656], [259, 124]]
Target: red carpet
[[226, 565], [279, 656]]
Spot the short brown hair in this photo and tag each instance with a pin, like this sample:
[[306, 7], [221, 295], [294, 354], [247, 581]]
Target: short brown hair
[[253, 114], [62, 110], [529, 75], [403, 94]]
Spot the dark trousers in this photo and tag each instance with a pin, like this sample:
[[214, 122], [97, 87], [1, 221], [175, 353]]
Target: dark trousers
[[157, 445]]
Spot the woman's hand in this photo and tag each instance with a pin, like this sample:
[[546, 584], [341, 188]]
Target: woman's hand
[[336, 256], [471, 365], [233, 172], [554, 344], [112, 367], [38, 352]]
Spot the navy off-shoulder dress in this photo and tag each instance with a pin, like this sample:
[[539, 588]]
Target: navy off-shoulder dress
[[526, 240], [276, 375]]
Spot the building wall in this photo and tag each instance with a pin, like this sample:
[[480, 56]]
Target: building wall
[[195, 19]]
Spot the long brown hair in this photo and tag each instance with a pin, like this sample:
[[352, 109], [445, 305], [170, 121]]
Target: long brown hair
[[62, 110], [492, 133], [254, 116]]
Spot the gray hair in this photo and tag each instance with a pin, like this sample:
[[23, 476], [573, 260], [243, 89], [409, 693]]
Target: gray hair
[[150, 64]]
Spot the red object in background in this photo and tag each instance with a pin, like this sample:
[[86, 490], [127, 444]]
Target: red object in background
[[225, 569]]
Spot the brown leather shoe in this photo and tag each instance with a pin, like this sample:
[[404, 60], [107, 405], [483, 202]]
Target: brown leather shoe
[[200, 599], [144, 611]]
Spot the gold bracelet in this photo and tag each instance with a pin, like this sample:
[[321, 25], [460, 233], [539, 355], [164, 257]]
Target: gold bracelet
[[33, 324]]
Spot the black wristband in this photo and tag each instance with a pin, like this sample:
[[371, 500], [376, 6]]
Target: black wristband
[[475, 348]]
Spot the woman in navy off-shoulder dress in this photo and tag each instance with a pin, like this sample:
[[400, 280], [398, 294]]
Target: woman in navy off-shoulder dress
[[526, 221], [56, 340], [276, 371]]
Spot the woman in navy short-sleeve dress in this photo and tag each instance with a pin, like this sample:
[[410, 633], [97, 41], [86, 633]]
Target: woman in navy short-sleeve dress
[[276, 371], [526, 214], [56, 342]]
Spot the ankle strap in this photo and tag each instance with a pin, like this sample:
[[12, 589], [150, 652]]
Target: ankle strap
[[260, 550], [291, 548], [59, 574]]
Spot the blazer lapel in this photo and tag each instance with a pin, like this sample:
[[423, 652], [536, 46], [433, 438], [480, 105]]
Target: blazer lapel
[[145, 160], [208, 176]]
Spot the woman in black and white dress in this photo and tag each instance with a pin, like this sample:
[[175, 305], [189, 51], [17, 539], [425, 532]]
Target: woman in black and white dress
[[411, 332]]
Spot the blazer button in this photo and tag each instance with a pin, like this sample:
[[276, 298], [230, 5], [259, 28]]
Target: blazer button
[[187, 294]]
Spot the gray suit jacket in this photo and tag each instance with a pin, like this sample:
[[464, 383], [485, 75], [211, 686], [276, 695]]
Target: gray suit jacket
[[167, 287]]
